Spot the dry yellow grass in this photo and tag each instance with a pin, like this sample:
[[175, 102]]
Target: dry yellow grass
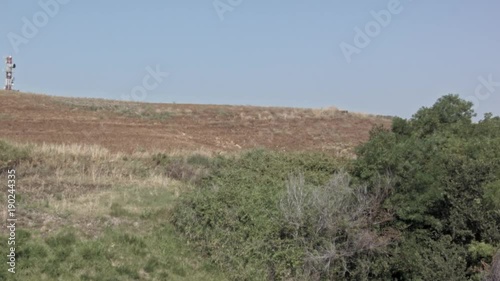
[[77, 184], [96, 199]]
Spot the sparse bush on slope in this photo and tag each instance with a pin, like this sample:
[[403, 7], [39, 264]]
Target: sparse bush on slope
[[337, 226], [191, 169]]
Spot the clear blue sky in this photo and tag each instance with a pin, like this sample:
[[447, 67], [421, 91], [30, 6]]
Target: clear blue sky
[[276, 53]]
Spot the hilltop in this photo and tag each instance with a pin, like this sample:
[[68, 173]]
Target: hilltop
[[121, 126]]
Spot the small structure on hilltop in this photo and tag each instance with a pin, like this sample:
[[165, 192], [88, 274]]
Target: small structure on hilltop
[[9, 70]]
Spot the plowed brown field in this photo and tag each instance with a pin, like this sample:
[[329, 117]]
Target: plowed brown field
[[129, 126]]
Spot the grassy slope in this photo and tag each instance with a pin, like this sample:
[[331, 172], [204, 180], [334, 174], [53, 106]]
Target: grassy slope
[[86, 214]]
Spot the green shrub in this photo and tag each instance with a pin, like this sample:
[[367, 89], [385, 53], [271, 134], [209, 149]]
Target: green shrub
[[480, 250], [116, 254], [234, 217], [421, 258], [445, 170], [11, 155], [199, 160]]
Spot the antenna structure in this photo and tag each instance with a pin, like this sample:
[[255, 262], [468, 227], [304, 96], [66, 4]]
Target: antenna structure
[[9, 77]]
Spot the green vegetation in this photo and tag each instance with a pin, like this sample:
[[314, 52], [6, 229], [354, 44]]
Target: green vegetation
[[100, 217], [420, 202], [10, 155], [445, 172], [233, 217], [132, 110], [117, 254]]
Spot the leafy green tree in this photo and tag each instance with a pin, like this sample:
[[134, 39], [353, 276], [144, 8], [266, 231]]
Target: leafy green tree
[[446, 171]]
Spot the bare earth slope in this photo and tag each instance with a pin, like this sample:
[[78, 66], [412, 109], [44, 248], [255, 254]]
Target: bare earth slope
[[129, 126]]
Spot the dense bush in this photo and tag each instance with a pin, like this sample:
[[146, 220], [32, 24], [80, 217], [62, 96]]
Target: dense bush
[[445, 171], [234, 217], [421, 202]]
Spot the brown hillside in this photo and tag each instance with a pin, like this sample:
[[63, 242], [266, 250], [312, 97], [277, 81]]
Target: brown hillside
[[129, 126]]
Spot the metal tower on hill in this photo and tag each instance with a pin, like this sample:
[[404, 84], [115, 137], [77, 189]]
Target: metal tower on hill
[[9, 76]]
